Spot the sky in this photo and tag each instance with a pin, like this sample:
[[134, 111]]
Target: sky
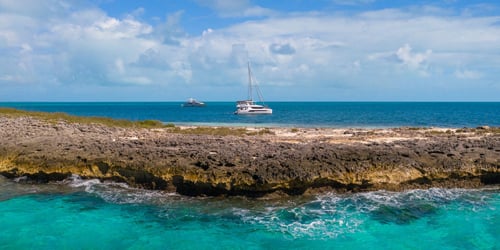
[[299, 50]]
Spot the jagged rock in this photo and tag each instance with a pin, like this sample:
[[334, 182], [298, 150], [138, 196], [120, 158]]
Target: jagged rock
[[305, 161]]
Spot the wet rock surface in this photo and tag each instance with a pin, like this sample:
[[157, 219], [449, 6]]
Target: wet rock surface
[[290, 161]]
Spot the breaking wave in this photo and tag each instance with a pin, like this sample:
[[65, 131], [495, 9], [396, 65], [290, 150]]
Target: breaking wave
[[119, 193], [321, 217]]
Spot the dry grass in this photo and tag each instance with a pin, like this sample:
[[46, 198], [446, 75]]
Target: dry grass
[[218, 131], [489, 130], [57, 117], [439, 132]]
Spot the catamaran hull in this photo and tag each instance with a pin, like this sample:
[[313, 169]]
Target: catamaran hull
[[254, 112]]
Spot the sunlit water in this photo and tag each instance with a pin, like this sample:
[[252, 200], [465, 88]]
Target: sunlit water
[[291, 114], [89, 214]]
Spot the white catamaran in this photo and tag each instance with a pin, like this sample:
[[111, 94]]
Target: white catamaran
[[249, 107]]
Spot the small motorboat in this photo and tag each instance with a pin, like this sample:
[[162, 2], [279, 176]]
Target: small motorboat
[[191, 102]]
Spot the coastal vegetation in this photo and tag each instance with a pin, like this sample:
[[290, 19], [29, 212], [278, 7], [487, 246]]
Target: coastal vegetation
[[218, 131], [55, 117]]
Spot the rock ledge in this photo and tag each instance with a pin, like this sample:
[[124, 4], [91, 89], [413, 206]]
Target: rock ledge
[[287, 161]]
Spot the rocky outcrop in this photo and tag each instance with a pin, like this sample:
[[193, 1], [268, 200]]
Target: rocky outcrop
[[290, 161]]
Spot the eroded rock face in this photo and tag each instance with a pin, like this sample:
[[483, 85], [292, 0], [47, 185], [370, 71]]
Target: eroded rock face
[[306, 160]]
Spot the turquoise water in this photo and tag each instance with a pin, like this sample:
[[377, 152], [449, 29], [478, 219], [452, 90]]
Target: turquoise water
[[299, 114], [78, 214]]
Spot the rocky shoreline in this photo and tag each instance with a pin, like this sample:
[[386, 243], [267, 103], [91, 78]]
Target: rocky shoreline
[[283, 161]]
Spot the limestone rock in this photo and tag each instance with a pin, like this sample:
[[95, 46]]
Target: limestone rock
[[288, 162]]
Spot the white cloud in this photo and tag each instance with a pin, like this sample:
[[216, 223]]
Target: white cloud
[[283, 49], [170, 32], [468, 74], [119, 66], [236, 8], [36, 8], [25, 48], [86, 46], [82, 47], [412, 60], [141, 80]]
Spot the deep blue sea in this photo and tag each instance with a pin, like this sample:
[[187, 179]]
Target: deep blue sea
[[90, 214], [292, 114]]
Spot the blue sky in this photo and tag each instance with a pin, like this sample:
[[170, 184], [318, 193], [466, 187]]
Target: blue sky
[[301, 50]]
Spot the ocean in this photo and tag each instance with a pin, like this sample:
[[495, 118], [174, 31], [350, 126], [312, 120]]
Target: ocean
[[90, 214], [291, 114]]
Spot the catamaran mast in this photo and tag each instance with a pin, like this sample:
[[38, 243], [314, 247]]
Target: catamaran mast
[[252, 85], [250, 96]]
